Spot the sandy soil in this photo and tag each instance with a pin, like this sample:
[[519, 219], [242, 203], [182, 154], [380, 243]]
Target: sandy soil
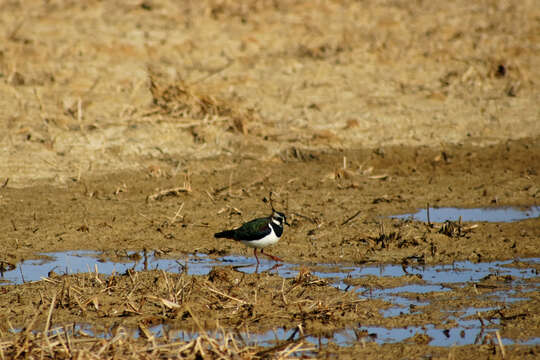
[[153, 124]]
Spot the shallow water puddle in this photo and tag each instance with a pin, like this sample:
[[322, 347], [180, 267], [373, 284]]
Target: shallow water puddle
[[437, 276], [499, 214], [72, 262], [405, 299], [466, 333]]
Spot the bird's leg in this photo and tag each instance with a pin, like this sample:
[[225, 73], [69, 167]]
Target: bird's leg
[[255, 253], [275, 258]]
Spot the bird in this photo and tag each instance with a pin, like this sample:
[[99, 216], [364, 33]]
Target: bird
[[259, 233]]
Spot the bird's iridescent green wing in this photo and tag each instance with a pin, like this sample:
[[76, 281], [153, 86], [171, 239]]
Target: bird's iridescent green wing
[[253, 230]]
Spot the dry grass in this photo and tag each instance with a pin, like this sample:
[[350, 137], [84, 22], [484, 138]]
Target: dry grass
[[225, 302], [180, 100], [77, 98], [69, 342], [93, 293]]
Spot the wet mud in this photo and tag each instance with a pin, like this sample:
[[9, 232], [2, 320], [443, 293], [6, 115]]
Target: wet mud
[[338, 216]]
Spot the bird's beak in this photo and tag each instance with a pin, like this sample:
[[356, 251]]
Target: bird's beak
[[286, 223]]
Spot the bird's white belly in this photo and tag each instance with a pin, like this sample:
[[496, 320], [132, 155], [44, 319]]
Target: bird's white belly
[[269, 239]]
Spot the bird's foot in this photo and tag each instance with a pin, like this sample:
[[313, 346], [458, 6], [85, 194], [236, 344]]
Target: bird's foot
[[273, 257]]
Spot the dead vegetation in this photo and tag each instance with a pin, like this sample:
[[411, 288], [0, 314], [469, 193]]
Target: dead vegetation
[[228, 298], [157, 314], [123, 309], [180, 100], [73, 342]]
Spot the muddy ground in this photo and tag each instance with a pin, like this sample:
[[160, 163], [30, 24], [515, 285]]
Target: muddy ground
[[153, 124]]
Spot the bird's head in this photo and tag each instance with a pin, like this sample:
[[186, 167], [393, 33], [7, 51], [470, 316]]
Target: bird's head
[[279, 217]]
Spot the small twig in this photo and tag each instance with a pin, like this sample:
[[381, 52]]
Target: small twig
[[40, 103], [168, 192], [60, 340], [213, 72], [284, 346], [305, 217], [146, 217], [283, 292], [196, 321], [352, 217], [173, 219], [196, 225], [5, 183], [12, 34], [198, 345], [22, 275], [290, 350], [79, 110], [225, 295], [428, 219], [230, 182], [480, 318], [501, 346], [259, 180], [217, 191], [49, 315], [167, 303], [210, 196], [378, 177]]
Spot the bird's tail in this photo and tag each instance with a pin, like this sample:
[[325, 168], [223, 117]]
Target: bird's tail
[[228, 234]]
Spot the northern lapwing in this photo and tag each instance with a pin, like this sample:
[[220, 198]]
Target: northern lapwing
[[259, 233]]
